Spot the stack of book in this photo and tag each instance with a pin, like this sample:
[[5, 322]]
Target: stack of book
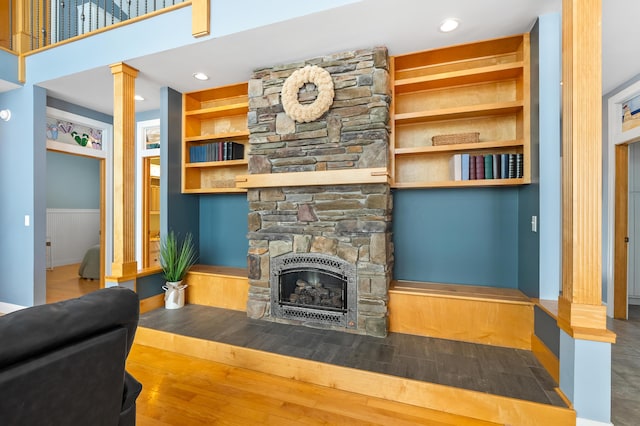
[[487, 166], [216, 151]]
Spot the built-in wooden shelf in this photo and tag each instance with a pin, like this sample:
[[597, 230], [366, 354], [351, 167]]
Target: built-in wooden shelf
[[476, 87], [214, 115]]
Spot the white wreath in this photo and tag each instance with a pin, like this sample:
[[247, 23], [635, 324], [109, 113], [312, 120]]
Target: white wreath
[[307, 113]]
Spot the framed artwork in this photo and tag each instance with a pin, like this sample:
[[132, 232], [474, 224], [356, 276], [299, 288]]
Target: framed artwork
[[624, 115], [151, 137], [631, 113], [75, 134]]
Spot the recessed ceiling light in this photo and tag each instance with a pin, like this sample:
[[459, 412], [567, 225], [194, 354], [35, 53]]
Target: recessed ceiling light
[[138, 98], [200, 76], [449, 25]]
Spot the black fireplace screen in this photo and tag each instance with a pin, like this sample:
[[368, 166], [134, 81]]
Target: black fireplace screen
[[314, 287]]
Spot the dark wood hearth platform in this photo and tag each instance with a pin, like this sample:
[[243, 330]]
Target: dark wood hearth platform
[[496, 375]]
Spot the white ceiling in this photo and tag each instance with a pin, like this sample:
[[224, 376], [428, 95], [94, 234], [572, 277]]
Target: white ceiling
[[401, 25]]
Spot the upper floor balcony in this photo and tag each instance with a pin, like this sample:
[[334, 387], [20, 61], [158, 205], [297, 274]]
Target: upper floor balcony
[[27, 25]]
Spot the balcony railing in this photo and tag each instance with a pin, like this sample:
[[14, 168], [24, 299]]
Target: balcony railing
[[52, 21]]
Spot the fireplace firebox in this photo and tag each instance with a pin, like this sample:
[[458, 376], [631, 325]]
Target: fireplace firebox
[[314, 288]]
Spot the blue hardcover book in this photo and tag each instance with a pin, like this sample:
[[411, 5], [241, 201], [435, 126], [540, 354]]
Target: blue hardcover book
[[504, 166], [465, 166]]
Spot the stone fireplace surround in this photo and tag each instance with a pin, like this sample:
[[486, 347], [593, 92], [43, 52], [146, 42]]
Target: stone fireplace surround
[[329, 211]]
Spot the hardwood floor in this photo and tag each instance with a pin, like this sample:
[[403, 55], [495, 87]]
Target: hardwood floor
[[182, 390], [63, 282]]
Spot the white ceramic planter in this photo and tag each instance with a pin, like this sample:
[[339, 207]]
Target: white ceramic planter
[[174, 295]]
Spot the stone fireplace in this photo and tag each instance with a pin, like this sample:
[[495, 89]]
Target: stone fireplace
[[320, 251]]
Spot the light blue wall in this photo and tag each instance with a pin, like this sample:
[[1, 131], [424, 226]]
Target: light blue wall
[[585, 377], [148, 115], [224, 16], [22, 193], [550, 219], [8, 67], [223, 229], [163, 32], [459, 236], [73, 182], [79, 110]]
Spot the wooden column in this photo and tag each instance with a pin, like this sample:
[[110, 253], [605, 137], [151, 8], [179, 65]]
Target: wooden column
[[580, 305], [124, 155], [22, 29], [200, 18]]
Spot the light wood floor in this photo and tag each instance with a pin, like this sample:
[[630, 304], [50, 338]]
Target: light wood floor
[[63, 282], [185, 391]]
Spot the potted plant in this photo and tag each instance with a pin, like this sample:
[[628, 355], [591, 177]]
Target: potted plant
[[175, 259]]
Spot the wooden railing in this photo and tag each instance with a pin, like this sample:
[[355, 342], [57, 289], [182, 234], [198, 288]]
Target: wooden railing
[[26, 25]]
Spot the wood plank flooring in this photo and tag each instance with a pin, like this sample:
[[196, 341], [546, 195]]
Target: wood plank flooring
[[63, 282], [182, 390]]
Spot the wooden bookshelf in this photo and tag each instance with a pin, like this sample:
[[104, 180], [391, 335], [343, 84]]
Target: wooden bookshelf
[[211, 116], [477, 87]]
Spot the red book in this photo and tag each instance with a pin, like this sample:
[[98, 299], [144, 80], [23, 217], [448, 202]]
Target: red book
[[472, 167], [479, 166]]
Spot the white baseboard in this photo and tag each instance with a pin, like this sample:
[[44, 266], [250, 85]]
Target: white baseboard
[[7, 308], [587, 422]]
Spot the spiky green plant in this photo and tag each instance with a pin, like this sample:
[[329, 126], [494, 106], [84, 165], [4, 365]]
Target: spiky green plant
[[176, 258]]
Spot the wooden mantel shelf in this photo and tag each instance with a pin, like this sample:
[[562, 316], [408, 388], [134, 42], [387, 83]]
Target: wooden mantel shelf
[[327, 177]]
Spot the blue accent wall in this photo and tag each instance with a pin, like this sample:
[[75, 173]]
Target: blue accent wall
[[223, 229], [73, 182], [529, 197], [178, 211], [149, 285], [458, 235], [546, 329]]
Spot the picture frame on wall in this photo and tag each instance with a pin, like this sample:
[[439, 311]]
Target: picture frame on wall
[[75, 134], [624, 115], [151, 137]]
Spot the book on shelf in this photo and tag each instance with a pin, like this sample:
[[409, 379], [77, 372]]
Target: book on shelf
[[504, 166], [455, 167], [216, 151], [519, 165], [488, 166], [512, 166], [479, 167], [496, 166], [472, 167], [465, 166]]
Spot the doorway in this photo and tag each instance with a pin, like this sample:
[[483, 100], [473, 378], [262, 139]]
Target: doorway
[[74, 225], [151, 212], [626, 229], [79, 212]]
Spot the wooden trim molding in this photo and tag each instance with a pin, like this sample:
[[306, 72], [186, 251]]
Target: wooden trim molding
[[151, 303], [547, 358], [326, 177], [621, 223], [200, 18]]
